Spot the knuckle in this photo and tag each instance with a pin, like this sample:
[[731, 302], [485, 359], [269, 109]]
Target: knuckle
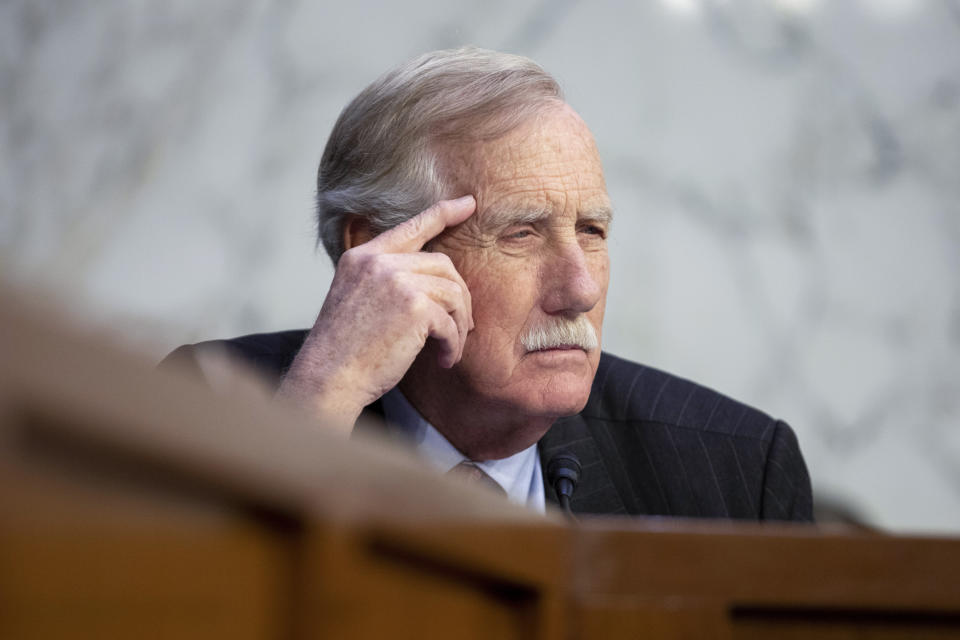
[[444, 260], [349, 258], [359, 259], [444, 264], [415, 302], [454, 291], [451, 289], [396, 279], [453, 329], [448, 324], [377, 264]]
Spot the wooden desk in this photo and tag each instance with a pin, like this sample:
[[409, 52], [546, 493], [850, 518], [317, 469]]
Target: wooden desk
[[135, 504]]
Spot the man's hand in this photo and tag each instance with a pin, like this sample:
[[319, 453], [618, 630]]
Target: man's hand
[[386, 299]]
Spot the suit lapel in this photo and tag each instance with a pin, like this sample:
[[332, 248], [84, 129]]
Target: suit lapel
[[595, 493]]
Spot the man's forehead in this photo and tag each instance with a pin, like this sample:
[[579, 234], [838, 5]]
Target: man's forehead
[[547, 167]]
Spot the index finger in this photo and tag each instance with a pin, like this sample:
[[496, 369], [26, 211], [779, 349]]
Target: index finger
[[411, 235]]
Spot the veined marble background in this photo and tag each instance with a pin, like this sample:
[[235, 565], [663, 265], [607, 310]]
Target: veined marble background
[[786, 177]]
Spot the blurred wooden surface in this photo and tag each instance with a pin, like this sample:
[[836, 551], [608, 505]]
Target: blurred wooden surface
[[135, 503]]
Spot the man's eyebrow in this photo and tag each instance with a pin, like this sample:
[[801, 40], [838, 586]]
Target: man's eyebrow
[[602, 214], [506, 217]]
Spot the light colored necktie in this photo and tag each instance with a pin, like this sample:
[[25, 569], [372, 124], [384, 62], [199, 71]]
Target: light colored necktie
[[476, 476]]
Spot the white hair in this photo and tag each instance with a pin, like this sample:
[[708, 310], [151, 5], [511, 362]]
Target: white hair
[[560, 331], [381, 161]]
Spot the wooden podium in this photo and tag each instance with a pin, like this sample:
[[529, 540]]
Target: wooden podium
[[137, 504]]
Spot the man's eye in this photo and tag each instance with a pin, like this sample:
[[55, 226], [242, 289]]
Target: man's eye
[[594, 230], [520, 234]]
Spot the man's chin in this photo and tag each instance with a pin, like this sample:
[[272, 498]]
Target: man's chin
[[552, 383], [563, 407], [555, 401], [561, 381]]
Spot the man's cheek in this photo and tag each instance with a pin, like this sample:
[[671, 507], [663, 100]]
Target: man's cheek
[[488, 341]]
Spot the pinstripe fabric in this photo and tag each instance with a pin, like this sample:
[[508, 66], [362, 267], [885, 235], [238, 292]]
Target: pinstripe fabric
[[648, 443], [662, 445]]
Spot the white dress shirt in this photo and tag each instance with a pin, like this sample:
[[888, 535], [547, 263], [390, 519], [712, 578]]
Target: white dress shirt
[[519, 474]]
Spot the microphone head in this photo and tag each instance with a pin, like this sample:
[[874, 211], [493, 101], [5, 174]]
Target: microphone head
[[563, 465]]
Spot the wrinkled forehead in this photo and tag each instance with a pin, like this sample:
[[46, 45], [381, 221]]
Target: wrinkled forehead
[[547, 166]]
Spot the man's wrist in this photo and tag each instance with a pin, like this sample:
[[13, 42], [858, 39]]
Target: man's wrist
[[333, 404]]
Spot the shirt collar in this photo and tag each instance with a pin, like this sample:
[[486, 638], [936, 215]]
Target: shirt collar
[[519, 474]]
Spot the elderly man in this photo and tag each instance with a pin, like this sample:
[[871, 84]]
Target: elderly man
[[464, 205]]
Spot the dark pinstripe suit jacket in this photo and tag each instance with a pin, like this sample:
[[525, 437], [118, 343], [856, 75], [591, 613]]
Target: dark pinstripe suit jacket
[[649, 443]]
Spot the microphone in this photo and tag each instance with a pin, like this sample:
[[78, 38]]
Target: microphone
[[563, 473]]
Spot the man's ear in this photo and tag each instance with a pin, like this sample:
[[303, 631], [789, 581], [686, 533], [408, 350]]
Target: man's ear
[[356, 231]]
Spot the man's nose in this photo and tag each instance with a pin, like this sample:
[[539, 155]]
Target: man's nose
[[571, 286]]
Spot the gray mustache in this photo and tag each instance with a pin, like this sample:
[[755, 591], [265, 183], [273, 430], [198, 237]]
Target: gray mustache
[[556, 331]]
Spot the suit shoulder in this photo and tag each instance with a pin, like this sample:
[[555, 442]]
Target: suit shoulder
[[269, 353], [625, 391]]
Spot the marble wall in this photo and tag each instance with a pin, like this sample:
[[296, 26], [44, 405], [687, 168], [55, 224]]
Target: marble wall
[[786, 177]]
